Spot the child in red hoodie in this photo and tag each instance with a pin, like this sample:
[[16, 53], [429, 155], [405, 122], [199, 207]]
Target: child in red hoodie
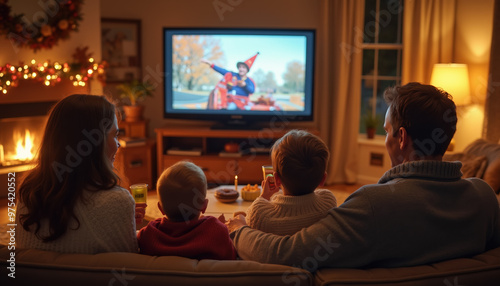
[[183, 232]]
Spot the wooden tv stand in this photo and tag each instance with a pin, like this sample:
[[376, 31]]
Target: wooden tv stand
[[218, 169]]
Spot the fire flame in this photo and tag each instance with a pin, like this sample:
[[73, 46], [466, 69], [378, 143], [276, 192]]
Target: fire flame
[[24, 147]]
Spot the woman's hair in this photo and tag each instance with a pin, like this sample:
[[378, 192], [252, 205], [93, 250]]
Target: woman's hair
[[72, 158], [427, 113], [300, 159]]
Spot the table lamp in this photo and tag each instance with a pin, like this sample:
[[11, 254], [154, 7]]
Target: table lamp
[[454, 79]]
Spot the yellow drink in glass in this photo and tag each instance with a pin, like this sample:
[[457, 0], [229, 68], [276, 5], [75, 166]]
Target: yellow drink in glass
[[267, 170], [139, 192]]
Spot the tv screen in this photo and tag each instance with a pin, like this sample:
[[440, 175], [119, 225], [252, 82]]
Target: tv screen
[[239, 76]]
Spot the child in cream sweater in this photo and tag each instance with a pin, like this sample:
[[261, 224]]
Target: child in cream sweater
[[299, 161]]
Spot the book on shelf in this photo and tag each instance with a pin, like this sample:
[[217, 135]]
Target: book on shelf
[[185, 152], [259, 150], [228, 154], [132, 141]]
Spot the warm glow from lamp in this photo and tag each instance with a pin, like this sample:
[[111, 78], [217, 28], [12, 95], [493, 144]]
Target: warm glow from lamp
[[454, 79]]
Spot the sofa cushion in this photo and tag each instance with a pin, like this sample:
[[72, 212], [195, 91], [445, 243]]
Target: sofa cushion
[[491, 151], [483, 269], [33, 266], [472, 165]]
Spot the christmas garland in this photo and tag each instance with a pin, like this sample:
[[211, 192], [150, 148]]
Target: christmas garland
[[55, 20], [79, 71]]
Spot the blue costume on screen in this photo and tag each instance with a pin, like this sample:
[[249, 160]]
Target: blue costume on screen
[[246, 90]]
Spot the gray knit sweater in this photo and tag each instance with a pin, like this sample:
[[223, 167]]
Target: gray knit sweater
[[289, 214], [107, 224], [419, 212]]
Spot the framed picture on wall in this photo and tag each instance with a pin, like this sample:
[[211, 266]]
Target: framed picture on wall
[[121, 49]]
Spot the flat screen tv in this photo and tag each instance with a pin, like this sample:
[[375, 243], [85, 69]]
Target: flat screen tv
[[239, 78]]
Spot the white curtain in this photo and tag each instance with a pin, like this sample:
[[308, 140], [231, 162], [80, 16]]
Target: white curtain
[[340, 62], [428, 37]]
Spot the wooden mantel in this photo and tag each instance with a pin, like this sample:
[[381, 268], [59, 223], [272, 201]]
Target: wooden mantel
[[35, 91]]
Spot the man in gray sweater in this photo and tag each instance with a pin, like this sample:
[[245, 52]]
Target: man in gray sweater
[[420, 211]]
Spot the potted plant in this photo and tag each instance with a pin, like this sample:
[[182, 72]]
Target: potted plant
[[133, 93], [371, 122]]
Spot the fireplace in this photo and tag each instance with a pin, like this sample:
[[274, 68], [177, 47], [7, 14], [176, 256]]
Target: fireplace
[[23, 115], [20, 138]]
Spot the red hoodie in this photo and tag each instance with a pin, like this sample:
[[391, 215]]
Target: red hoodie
[[204, 238]]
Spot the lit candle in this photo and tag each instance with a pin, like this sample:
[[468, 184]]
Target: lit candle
[[236, 183]]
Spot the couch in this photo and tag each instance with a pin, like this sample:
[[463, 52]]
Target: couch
[[36, 267], [480, 159]]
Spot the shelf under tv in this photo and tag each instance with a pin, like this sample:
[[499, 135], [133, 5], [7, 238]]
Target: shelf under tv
[[219, 169]]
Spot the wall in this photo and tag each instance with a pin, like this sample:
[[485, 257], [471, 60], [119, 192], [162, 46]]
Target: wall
[[156, 15], [373, 159], [87, 35], [472, 46]]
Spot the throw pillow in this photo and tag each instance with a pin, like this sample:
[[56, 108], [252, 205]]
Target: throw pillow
[[472, 166]]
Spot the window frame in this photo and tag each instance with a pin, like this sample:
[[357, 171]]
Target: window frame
[[377, 47]]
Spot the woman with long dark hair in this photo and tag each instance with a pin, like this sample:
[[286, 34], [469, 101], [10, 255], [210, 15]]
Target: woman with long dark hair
[[70, 202]]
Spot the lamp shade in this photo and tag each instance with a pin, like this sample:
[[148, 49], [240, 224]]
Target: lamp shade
[[454, 79]]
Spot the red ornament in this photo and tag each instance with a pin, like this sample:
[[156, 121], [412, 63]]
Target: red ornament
[[231, 147]]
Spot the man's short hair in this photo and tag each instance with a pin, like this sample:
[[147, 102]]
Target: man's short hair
[[427, 113], [300, 159], [182, 189]]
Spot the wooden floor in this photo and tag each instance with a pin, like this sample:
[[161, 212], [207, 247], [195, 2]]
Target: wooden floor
[[341, 192]]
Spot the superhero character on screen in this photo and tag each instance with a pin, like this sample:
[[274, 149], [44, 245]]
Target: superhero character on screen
[[233, 90]]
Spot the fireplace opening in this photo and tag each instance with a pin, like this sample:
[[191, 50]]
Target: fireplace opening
[[20, 139]]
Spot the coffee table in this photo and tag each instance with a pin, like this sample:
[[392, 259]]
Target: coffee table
[[214, 207]]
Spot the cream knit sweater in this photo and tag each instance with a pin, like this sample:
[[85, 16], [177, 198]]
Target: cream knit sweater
[[284, 215], [107, 224]]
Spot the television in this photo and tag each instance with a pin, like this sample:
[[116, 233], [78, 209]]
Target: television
[[239, 78]]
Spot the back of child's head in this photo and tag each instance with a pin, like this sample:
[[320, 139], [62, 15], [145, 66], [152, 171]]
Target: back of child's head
[[182, 189], [300, 159]]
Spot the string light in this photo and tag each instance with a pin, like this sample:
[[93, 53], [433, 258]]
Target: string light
[[49, 74]]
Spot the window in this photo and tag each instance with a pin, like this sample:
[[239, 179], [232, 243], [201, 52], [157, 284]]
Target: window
[[382, 49]]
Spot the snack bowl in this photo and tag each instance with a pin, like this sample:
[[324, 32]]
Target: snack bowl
[[226, 195], [250, 193]]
